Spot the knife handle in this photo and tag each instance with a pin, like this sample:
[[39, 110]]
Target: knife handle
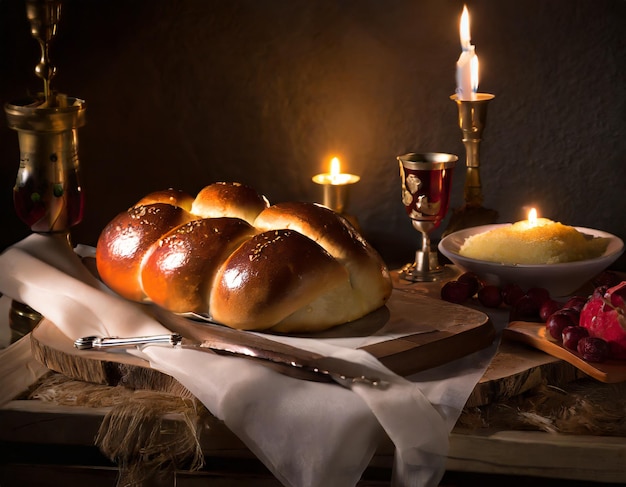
[[95, 342]]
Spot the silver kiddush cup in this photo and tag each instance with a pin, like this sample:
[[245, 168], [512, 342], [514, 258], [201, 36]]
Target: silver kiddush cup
[[426, 180]]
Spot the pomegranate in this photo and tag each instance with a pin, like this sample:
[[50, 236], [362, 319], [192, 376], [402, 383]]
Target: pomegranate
[[604, 316]]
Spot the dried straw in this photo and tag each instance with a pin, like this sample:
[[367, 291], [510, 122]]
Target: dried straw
[[146, 433]]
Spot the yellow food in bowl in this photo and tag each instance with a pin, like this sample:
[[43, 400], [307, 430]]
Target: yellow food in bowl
[[543, 242]]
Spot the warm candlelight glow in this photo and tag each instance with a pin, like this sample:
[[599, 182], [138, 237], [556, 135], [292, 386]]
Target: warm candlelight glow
[[467, 65], [335, 185], [533, 221], [335, 170], [335, 176], [465, 29]]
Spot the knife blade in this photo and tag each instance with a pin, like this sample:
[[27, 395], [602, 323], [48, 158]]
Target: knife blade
[[206, 335], [245, 343]]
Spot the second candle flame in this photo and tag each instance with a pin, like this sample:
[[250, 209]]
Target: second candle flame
[[465, 30], [335, 168], [337, 177]]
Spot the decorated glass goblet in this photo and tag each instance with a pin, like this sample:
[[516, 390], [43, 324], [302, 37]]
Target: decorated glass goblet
[[47, 194], [426, 184]]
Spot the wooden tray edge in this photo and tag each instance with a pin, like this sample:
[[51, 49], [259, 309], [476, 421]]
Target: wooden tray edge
[[533, 334], [444, 347], [127, 371]]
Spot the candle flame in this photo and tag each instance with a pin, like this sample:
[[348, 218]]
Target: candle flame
[[474, 73], [464, 29], [335, 168], [335, 177], [532, 217]]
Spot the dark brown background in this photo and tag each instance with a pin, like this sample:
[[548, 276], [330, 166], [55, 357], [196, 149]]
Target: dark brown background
[[185, 93]]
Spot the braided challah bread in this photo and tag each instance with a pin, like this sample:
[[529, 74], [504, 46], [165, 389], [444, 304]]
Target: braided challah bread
[[290, 267]]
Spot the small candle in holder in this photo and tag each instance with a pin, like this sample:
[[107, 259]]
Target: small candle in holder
[[335, 185], [533, 221], [533, 241], [467, 65]]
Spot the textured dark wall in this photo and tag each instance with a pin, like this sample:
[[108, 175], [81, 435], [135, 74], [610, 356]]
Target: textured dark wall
[[184, 93]]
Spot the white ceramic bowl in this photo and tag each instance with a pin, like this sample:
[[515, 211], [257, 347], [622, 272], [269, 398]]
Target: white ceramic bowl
[[560, 279]]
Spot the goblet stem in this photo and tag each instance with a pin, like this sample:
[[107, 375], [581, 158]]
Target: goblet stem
[[44, 16], [426, 266], [425, 244], [424, 262]]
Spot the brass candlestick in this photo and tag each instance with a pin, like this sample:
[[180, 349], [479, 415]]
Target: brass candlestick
[[336, 187], [472, 121], [334, 196]]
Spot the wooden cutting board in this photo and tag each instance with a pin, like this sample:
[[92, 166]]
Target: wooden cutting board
[[435, 332], [57, 352], [517, 368]]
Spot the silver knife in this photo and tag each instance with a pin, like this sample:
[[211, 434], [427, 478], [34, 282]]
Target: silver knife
[[218, 338]]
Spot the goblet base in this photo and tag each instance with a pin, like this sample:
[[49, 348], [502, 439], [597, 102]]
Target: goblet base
[[426, 268], [22, 320]]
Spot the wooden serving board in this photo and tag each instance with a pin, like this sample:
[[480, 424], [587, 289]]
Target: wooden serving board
[[57, 352], [434, 332], [517, 368], [534, 334]]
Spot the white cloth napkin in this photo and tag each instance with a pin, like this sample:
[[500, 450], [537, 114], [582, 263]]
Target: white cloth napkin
[[306, 433]]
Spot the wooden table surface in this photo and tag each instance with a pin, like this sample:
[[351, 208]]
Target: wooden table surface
[[48, 441], [32, 430]]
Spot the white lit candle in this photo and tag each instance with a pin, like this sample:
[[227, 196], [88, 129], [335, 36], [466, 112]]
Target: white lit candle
[[335, 184], [467, 65], [533, 221]]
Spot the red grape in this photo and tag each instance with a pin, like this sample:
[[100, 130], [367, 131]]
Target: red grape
[[511, 293], [571, 335], [573, 314], [548, 307], [473, 280], [557, 322], [525, 309], [593, 349], [490, 296], [538, 294], [456, 292], [576, 302], [606, 278]]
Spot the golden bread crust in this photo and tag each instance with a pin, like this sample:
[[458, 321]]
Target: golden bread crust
[[290, 267]]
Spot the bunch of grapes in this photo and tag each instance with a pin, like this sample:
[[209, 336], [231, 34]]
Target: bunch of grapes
[[562, 319], [564, 326], [524, 305]]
